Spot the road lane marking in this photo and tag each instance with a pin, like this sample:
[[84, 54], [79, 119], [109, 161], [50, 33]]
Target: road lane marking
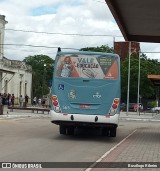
[[108, 152]]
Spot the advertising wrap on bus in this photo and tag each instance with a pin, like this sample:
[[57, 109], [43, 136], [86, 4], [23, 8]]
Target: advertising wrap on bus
[[98, 67], [86, 91]]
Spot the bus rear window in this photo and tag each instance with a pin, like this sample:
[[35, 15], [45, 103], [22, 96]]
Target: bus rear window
[[87, 66]]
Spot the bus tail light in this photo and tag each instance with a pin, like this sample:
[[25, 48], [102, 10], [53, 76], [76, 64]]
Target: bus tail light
[[116, 100], [114, 106], [55, 103]]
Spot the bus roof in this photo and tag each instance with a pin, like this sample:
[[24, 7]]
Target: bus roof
[[89, 53]]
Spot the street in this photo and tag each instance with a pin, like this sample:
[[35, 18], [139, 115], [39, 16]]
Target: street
[[38, 140]]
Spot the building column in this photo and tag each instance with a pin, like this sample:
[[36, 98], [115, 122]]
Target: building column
[[2, 31]]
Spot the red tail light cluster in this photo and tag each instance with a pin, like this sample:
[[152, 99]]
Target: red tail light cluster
[[55, 103], [114, 106]]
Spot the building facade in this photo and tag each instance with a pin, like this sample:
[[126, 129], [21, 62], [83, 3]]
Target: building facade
[[15, 76], [122, 49]]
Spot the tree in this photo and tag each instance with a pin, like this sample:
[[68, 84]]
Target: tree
[[103, 48], [41, 74], [147, 90]]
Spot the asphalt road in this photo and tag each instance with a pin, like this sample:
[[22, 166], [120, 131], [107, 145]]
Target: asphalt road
[[38, 140]]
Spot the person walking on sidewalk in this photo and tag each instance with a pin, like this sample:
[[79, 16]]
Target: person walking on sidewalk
[[35, 101], [21, 101], [26, 100], [0, 99], [12, 99]]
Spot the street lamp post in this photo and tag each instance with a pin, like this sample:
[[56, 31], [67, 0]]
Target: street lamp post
[[139, 71], [128, 77], [43, 79]]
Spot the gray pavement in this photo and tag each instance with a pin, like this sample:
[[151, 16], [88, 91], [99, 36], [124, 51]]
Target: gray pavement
[[142, 145], [7, 113], [145, 116]]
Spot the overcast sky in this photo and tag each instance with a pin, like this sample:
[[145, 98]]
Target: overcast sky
[[77, 17]]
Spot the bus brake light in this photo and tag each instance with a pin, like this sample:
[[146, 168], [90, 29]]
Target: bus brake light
[[114, 106], [55, 103]]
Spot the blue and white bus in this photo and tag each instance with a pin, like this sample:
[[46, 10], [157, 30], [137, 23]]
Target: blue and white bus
[[86, 91]]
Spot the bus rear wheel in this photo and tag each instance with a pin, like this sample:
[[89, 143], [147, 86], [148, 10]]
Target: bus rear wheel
[[62, 129], [105, 132], [113, 132], [70, 130]]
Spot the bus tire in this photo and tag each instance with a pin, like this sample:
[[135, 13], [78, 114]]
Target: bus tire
[[105, 132], [70, 130], [113, 132], [62, 129]]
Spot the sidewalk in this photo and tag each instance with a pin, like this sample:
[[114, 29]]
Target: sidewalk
[[146, 116], [20, 113], [140, 150]]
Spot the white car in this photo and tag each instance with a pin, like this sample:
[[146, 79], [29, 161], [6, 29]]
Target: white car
[[155, 109]]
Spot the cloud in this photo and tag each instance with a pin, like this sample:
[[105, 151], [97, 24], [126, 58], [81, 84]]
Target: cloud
[[57, 16]]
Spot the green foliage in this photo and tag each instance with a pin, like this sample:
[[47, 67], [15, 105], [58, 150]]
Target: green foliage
[[103, 48], [40, 74], [147, 89], [152, 104]]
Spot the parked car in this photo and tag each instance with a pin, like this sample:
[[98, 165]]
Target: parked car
[[123, 107], [131, 106], [155, 110]]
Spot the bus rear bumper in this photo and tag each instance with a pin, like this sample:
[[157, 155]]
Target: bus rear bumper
[[84, 120]]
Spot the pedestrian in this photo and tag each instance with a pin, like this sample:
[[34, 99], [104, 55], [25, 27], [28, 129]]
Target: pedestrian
[[34, 101], [26, 100], [9, 99], [43, 102], [39, 102], [0, 99], [4, 99], [12, 99], [21, 101]]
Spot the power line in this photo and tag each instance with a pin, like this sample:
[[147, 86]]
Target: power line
[[65, 34], [37, 46], [53, 47], [33, 51]]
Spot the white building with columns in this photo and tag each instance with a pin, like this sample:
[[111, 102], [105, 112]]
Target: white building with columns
[[15, 76]]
